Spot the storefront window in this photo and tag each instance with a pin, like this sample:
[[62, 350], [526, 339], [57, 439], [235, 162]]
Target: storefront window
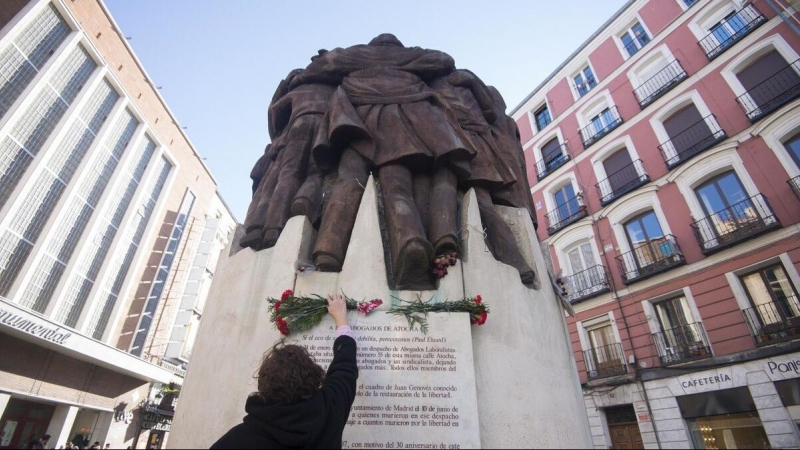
[[741, 430]]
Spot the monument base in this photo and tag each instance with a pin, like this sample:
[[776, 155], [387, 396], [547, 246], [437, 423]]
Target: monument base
[[526, 387]]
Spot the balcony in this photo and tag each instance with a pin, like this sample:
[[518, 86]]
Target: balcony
[[774, 321], [569, 212], [682, 344], [738, 223], [600, 126], [772, 93], [735, 28], [548, 165], [692, 141], [621, 182], [794, 183], [586, 284], [660, 83], [649, 259], [605, 361]]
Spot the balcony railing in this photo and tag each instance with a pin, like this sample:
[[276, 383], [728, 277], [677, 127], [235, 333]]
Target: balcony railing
[[749, 218], [565, 214], [605, 361], [774, 321], [548, 165], [606, 123], [692, 141], [586, 284], [794, 183], [650, 258], [734, 29], [660, 83], [772, 93], [682, 344], [621, 182]]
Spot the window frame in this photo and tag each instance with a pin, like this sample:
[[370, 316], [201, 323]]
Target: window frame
[[581, 72], [628, 31]]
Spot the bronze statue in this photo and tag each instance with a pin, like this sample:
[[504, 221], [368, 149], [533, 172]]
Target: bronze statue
[[425, 130]]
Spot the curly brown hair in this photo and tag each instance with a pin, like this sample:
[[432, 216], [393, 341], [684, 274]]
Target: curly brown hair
[[288, 374]]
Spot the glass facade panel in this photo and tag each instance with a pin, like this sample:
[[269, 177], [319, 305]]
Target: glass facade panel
[[740, 430]]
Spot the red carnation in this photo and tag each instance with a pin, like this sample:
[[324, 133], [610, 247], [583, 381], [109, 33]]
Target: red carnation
[[286, 294], [367, 307], [483, 318], [478, 300], [277, 307]]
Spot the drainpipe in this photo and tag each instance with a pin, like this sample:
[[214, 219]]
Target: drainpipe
[[615, 295], [782, 14]]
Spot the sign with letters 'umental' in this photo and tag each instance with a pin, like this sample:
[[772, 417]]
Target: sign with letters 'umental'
[[415, 390]]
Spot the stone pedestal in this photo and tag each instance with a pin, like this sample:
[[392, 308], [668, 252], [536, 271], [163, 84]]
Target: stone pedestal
[[528, 392]]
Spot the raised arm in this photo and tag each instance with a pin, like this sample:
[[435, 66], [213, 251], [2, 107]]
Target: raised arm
[[340, 381]]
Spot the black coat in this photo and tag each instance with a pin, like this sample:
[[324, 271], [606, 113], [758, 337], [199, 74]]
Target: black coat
[[315, 423]]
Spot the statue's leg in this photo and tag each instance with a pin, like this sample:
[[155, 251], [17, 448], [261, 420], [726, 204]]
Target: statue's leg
[[340, 213], [442, 228], [294, 164], [257, 212], [410, 251], [422, 197], [308, 200], [501, 240]]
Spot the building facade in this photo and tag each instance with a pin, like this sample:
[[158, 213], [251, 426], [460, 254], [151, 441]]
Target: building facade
[[111, 226], [664, 156]]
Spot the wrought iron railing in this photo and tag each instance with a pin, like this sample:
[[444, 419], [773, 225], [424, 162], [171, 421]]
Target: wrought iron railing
[[681, 344], [741, 221], [734, 29], [794, 183], [692, 141], [569, 212], [772, 93], [605, 361], [660, 83], [774, 321], [597, 129], [621, 182], [650, 258], [550, 163], [587, 283]]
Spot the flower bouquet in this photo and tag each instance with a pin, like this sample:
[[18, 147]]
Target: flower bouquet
[[416, 311], [300, 313]]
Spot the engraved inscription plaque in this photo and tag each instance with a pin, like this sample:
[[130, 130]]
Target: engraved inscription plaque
[[415, 390]]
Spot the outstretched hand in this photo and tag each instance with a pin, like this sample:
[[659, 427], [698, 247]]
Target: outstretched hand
[[337, 308]]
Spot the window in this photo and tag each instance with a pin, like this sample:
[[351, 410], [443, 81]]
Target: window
[[680, 337], [542, 117], [772, 295], [725, 198], [581, 258], [689, 3], [634, 39], [740, 430], [605, 357], [567, 203], [689, 134], [584, 81], [552, 154], [648, 243], [728, 27], [769, 83], [615, 165], [793, 147]]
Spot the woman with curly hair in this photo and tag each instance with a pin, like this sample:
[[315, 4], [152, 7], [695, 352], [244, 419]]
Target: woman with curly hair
[[298, 405]]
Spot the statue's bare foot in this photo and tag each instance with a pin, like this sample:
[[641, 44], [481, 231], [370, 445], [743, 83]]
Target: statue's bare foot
[[411, 271], [446, 245], [327, 263], [271, 237], [527, 277], [252, 239]]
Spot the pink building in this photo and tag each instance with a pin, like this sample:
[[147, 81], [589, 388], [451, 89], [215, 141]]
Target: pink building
[[664, 156]]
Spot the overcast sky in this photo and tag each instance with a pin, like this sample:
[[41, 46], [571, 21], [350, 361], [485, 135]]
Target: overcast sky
[[219, 62]]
